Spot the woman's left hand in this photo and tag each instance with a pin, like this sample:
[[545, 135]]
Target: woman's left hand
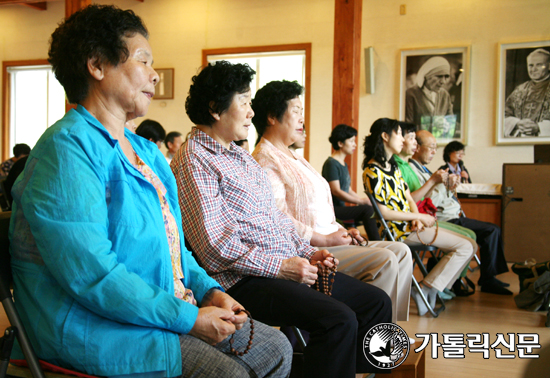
[[324, 257], [464, 174], [220, 299]]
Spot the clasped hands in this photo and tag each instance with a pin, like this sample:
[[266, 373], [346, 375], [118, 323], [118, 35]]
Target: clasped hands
[[443, 176], [303, 270], [218, 318], [423, 220]]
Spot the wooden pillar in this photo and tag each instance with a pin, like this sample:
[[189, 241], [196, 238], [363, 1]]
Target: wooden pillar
[[71, 6], [346, 70]]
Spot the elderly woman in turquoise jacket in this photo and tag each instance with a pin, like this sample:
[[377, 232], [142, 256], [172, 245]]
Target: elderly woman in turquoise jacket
[[102, 277]]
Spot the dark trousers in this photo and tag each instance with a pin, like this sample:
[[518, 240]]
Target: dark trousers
[[362, 213], [337, 324], [491, 252]]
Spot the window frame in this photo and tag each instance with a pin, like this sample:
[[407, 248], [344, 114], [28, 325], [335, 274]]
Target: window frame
[[6, 99], [274, 48]]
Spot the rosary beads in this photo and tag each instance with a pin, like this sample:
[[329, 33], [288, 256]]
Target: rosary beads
[[324, 274], [233, 350]]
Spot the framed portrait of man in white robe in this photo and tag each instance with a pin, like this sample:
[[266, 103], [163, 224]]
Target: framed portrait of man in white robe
[[434, 91], [523, 103]]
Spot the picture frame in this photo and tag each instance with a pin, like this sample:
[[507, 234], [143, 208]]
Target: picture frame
[[523, 102], [164, 90], [440, 104]]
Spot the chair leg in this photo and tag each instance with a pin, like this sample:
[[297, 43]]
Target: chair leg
[[435, 312], [477, 261], [23, 340], [299, 337]]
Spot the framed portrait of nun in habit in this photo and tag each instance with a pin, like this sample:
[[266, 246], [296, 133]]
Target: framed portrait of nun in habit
[[434, 91]]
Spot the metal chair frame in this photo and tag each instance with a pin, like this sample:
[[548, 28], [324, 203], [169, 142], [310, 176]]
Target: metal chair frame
[[16, 330], [418, 260]]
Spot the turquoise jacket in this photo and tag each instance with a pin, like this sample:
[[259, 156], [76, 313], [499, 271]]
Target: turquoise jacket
[[92, 270]]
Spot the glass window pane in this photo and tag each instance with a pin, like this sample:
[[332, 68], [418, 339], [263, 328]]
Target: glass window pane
[[37, 101]]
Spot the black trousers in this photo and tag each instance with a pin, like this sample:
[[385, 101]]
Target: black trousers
[[337, 324], [362, 213], [489, 238]]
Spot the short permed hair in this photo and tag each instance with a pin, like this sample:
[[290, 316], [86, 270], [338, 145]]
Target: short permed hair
[[151, 130], [272, 101], [213, 89], [453, 146], [170, 137], [95, 32], [21, 149], [341, 133]]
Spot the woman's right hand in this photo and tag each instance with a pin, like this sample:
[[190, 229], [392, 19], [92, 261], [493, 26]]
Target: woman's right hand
[[213, 325], [340, 237], [298, 269]]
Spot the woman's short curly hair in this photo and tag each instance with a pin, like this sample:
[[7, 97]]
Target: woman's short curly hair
[[341, 133], [272, 101], [453, 146], [212, 90], [95, 32], [374, 144]]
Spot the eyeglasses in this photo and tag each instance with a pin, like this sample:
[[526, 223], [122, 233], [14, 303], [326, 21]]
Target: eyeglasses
[[431, 148]]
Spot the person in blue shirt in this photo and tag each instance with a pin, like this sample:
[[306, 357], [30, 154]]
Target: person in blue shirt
[[102, 278]]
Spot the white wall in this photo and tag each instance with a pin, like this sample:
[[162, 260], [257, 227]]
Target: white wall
[[427, 24], [180, 29]]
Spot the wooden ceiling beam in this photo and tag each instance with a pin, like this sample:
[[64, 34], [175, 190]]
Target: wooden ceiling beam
[[39, 6]]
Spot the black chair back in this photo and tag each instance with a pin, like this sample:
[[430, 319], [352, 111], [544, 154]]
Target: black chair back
[[5, 258]]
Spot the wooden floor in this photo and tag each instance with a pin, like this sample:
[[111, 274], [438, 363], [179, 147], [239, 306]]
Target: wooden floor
[[478, 313]]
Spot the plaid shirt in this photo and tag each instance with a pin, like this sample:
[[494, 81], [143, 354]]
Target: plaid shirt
[[229, 214]]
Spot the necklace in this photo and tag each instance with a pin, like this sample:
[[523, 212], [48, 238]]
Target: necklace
[[233, 350], [322, 284]]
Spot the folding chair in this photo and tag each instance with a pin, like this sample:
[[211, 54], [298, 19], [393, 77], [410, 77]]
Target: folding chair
[[31, 366], [418, 253], [16, 330]]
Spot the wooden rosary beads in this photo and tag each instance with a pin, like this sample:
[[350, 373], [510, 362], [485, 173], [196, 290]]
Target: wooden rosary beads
[[323, 275], [435, 236], [233, 350]]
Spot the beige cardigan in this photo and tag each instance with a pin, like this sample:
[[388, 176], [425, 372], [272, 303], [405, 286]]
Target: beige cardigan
[[291, 187]]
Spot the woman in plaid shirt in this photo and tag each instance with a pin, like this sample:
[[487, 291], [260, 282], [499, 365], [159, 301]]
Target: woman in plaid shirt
[[253, 249]]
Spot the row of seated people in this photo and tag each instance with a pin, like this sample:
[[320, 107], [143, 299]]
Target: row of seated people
[[102, 277], [419, 148]]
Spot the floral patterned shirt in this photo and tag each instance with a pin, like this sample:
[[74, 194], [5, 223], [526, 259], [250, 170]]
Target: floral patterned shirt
[[171, 232]]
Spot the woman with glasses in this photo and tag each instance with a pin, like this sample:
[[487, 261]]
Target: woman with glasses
[[453, 155]]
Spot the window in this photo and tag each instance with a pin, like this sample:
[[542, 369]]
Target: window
[[34, 100], [288, 62]]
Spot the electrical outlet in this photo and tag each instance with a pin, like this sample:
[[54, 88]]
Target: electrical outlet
[[508, 190]]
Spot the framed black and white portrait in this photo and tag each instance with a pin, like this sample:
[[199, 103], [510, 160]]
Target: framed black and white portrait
[[434, 91], [523, 104]]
